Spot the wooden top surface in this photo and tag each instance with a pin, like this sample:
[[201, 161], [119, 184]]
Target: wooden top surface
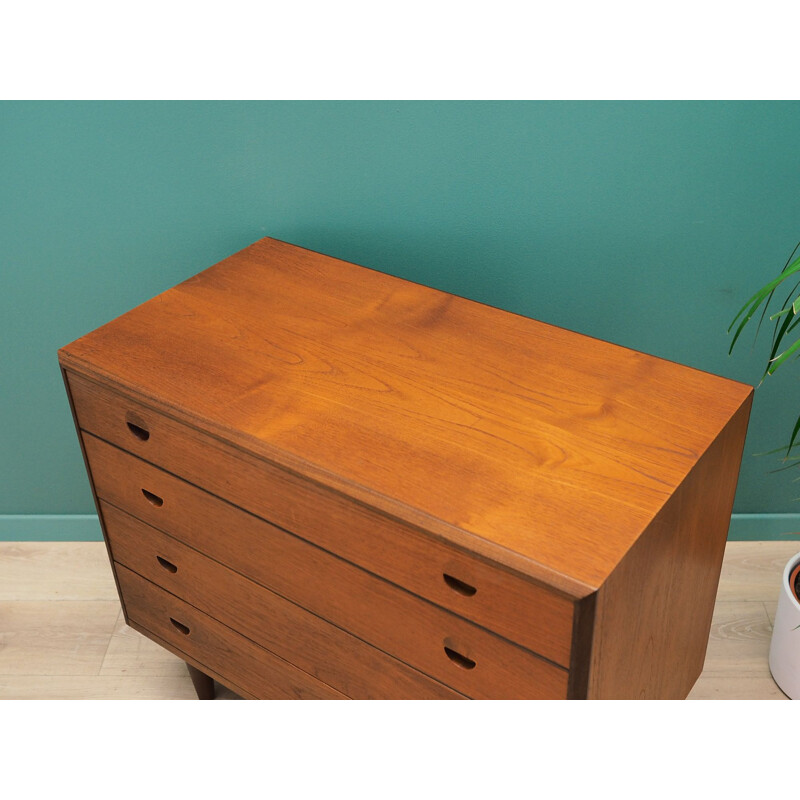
[[546, 449]]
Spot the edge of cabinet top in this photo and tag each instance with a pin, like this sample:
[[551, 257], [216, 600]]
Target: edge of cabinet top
[[539, 447]]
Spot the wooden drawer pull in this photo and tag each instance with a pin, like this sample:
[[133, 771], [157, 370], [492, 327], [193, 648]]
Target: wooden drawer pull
[[139, 432], [153, 498], [458, 659], [459, 586], [184, 629], [168, 565]]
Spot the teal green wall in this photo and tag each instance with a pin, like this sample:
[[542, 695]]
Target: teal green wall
[[646, 224]]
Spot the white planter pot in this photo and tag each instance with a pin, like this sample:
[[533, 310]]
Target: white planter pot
[[784, 651]]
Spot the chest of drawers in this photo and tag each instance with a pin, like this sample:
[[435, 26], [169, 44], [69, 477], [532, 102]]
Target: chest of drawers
[[316, 480]]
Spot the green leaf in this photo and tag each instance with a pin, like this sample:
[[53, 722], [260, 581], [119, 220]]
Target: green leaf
[[785, 304], [780, 449], [783, 356], [769, 299], [778, 339], [783, 468], [765, 293], [792, 440], [755, 301]]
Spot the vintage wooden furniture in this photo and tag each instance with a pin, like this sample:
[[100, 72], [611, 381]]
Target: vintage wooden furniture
[[320, 481]]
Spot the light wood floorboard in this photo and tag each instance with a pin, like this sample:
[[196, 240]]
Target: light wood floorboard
[[63, 636], [49, 571], [46, 637], [102, 687]]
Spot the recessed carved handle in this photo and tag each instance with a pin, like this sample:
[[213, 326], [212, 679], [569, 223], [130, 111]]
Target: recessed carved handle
[[154, 499], [458, 659], [168, 565], [138, 431], [459, 586], [184, 629]]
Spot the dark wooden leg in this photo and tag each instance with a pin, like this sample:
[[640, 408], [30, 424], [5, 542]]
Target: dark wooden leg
[[203, 685]]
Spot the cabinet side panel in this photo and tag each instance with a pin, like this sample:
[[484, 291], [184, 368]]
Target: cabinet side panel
[[582, 632], [66, 376], [653, 614]]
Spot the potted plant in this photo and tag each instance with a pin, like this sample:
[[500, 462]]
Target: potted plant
[[784, 649], [784, 654]]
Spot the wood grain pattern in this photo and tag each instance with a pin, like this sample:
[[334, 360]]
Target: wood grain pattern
[[129, 653], [475, 424], [135, 667], [185, 660], [150, 662], [220, 649], [59, 571], [736, 687], [61, 638], [739, 640], [654, 613], [321, 649], [393, 620], [73, 687], [753, 570], [441, 479], [65, 379], [542, 621]]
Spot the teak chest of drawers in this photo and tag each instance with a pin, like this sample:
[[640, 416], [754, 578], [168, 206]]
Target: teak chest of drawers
[[320, 481]]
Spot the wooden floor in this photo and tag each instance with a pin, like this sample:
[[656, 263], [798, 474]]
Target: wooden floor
[[62, 635]]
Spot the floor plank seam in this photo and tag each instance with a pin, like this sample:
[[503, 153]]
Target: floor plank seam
[[108, 645]]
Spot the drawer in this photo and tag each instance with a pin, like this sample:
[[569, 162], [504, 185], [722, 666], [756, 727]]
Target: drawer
[[440, 644], [513, 606], [315, 646], [214, 645]]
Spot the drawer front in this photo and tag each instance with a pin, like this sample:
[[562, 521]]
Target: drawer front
[[440, 644], [317, 647], [212, 644], [512, 606]]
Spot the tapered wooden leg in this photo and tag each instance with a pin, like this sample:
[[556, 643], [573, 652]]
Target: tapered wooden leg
[[203, 685]]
